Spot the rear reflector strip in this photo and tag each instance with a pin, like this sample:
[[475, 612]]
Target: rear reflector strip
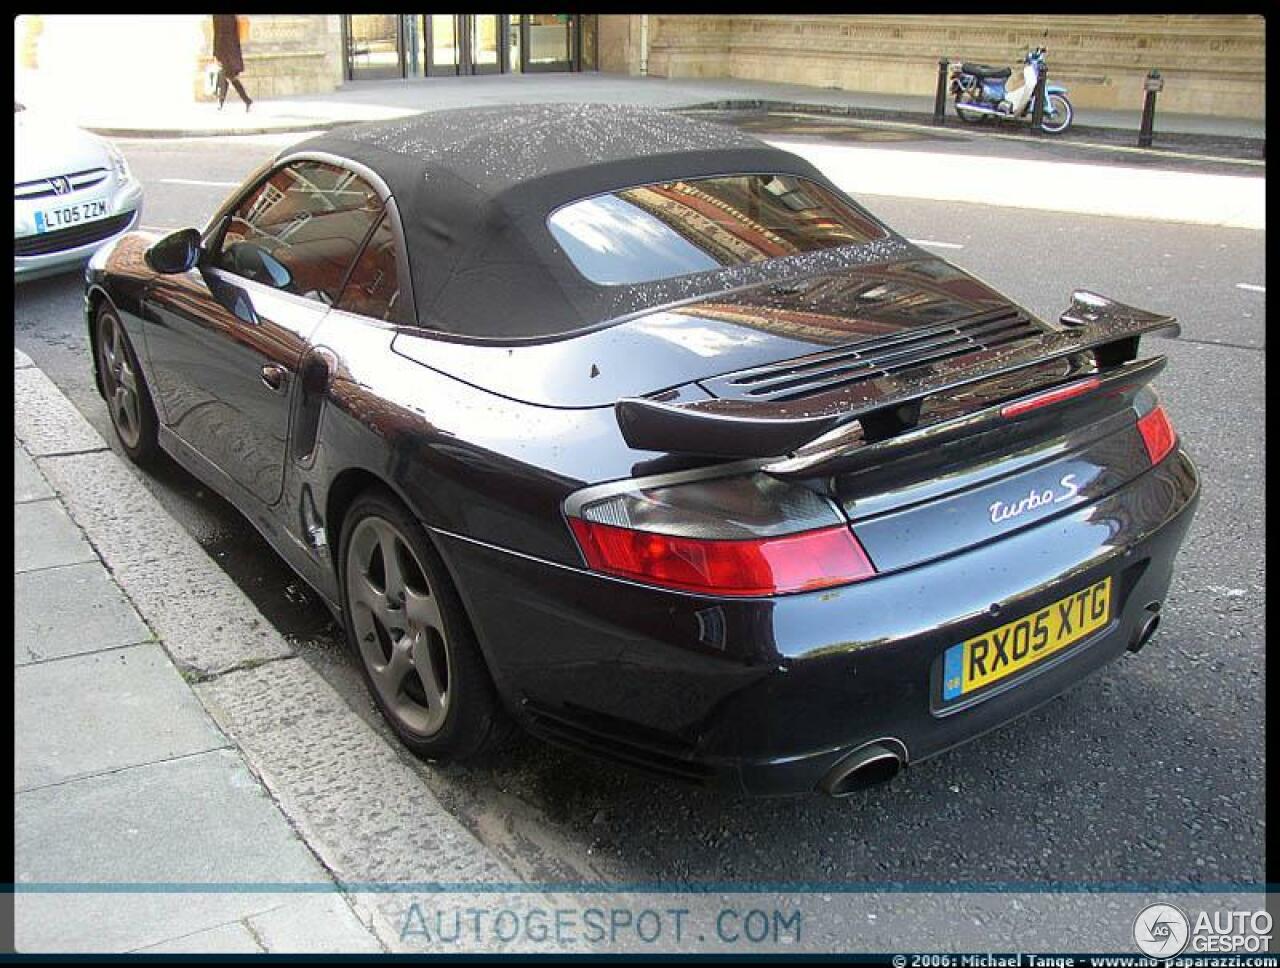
[[1157, 434], [1056, 395], [754, 567]]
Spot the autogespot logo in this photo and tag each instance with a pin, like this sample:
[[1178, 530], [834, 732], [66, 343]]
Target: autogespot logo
[[1161, 931]]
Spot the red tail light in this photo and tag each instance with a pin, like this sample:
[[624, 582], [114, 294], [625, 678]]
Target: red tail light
[[751, 566], [1157, 434]]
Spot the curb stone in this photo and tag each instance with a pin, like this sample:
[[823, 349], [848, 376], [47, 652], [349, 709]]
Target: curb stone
[[117, 132]]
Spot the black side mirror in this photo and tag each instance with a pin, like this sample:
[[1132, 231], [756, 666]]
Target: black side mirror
[[177, 252]]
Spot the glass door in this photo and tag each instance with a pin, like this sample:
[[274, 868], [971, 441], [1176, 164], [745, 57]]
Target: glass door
[[374, 50], [549, 43], [444, 54], [465, 43], [484, 45]]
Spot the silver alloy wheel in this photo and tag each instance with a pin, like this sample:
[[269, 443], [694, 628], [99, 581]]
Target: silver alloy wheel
[[119, 380], [398, 626]]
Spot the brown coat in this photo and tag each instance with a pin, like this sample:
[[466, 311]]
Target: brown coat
[[226, 43]]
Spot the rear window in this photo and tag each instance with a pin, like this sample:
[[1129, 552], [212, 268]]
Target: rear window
[[681, 227]]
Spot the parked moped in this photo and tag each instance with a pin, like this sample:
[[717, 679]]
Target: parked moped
[[979, 93]]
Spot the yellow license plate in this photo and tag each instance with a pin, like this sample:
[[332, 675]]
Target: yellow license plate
[[1001, 652]]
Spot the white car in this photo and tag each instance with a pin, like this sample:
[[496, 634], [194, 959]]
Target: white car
[[72, 192]]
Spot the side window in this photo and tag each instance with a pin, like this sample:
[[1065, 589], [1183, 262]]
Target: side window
[[374, 287], [300, 229]]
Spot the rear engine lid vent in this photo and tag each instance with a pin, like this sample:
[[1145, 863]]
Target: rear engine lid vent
[[821, 373]]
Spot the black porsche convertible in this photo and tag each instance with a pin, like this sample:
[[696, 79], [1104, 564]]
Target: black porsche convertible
[[638, 432]]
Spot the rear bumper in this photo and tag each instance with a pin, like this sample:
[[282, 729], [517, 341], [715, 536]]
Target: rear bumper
[[770, 694]]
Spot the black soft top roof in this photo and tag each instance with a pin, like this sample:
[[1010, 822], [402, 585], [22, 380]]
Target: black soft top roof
[[475, 186]]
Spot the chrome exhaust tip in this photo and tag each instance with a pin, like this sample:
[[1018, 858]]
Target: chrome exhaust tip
[[865, 767], [1148, 628]]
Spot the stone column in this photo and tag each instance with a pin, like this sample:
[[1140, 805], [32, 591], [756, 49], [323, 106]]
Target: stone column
[[619, 41]]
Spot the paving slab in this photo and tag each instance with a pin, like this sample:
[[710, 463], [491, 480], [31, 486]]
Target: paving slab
[[363, 810], [201, 819], [71, 610], [44, 536], [46, 421], [79, 919], [314, 923], [180, 821], [96, 713], [205, 621], [225, 939], [28, 483]]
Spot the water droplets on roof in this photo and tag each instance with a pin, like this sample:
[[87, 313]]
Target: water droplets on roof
[[493, 146]]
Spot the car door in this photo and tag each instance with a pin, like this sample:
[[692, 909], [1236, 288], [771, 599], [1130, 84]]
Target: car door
[[228, 337]]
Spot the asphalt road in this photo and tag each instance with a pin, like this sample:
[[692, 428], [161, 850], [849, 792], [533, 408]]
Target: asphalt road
[[1152, 771]]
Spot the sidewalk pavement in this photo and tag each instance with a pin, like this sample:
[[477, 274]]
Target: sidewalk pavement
[[182, 781], [121, 776], [380, 100]]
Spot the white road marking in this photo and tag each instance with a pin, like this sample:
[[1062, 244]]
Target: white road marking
[[936, 245], [196, 181], [156, 228], [1250, 287]]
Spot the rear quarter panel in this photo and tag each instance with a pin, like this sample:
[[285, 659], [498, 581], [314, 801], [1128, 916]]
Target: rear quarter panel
[[466, 460]]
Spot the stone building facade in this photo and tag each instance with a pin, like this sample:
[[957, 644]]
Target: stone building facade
[[1212, 64]]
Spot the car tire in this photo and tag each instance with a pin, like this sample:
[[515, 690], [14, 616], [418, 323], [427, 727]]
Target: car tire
[[411, 636], [133, 415]]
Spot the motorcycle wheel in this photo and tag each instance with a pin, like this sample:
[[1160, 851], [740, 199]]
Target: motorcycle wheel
[[969, 117], [1059, 118]]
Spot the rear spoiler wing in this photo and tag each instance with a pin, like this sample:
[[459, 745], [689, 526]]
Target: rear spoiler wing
[[768, 429]]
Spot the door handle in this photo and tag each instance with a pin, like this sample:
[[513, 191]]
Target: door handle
[[273, 376]]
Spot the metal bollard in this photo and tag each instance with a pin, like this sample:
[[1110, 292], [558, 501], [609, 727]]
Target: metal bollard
[[940, 97], [1154, 84], [1037, 96]]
